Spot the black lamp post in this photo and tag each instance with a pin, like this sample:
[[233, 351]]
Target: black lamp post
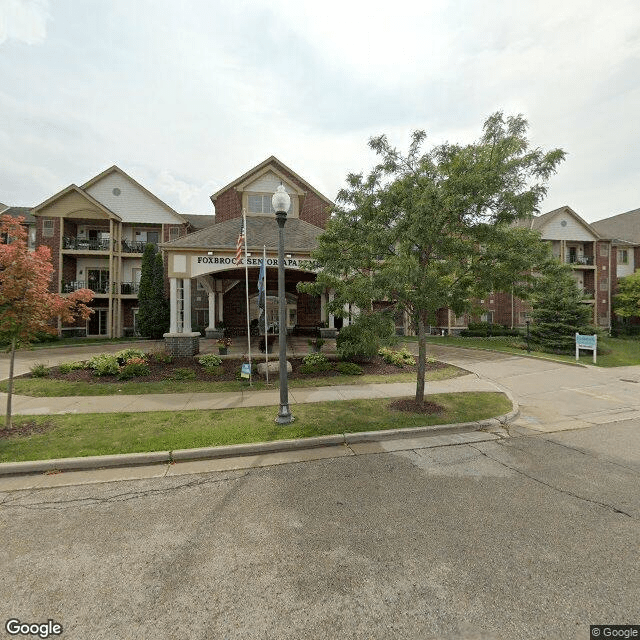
[[281, 203]]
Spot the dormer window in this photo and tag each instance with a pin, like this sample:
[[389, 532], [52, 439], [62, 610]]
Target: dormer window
[[260, 204]]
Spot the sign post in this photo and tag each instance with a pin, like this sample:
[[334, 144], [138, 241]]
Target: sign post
[[586, 342]]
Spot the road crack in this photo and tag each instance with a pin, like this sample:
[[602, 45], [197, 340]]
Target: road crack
[[604, 505]]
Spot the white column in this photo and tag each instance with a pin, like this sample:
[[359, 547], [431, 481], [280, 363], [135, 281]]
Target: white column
[[186, 292], [173, 305], [220, 307], [212, 310], [346, 320], [332, 318], [323, 305]]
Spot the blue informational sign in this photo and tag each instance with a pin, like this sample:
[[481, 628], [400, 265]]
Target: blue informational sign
[[246, 370], [586, 342]]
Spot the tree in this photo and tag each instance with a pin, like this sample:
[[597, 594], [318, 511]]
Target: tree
[[627, 300], [27, 307], [153, 316], [435, 229], [558, 310]]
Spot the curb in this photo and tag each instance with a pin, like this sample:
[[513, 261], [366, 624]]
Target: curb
[[91, 463]]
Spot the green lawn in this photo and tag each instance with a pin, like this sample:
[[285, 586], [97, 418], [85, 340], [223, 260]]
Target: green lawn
[[75, 435], [57, 388], [619, 352]]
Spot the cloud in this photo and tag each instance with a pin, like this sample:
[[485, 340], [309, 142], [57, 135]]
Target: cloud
[[24, 20]]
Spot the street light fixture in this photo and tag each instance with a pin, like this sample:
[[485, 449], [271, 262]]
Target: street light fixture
[[281, 203]]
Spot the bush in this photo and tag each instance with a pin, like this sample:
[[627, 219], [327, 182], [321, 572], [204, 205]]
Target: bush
[[39, 370], [349, 369], [136, 367], [314, 363], [67, 367], [126, 354], [487, 330], [210, 360], [184, 374], [398, 358], [362, 339], [104, 364], [214, 371], [163, 357]]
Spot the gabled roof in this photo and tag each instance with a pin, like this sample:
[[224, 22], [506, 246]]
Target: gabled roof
[[301, 236], [74, 188], [199, 221], [263, 167], [115, 169], [624, 226], [18, 212], [539, 222]]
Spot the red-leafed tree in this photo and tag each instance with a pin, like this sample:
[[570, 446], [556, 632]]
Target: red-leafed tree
[[27, 307]]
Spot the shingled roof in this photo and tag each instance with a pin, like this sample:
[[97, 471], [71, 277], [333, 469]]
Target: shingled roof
[[625, 226], [299, 235], [17, 212]]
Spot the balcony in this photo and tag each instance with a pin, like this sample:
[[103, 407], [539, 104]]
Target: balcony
[[129, 288], [134, 246], [86, 244], [104, 287], [69, 286], [588, 294], [579, 260]]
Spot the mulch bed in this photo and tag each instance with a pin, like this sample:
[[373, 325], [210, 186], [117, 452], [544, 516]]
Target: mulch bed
[[27, 428], [160, 371]]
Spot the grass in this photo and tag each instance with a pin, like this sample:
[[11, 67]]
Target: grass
[[74, 435], [80, 342], [43, 387], [619, 352]]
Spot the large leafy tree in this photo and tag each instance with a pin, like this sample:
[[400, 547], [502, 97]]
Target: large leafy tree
[[558, 310], [627, 300], [433, 229], [153, 314], [27, 307]]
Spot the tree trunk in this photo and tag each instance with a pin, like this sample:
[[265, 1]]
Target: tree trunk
[[422, 359], [7, 424]]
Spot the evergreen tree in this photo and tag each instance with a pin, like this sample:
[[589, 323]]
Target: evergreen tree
[[627, 301], [153, 315], [558, 310]]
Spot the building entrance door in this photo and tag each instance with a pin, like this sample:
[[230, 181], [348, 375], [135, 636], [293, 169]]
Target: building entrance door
[[98, 322]]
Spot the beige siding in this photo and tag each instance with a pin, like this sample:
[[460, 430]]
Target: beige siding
[[72, 205], [132, 204], [573, 230]]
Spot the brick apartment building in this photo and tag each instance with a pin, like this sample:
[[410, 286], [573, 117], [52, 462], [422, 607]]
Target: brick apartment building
[[97, 232]]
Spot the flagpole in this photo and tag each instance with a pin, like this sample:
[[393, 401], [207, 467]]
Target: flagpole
[[246, 277], [264, 287]]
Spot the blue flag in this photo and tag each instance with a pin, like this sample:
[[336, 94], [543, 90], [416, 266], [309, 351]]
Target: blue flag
[[261, 292]]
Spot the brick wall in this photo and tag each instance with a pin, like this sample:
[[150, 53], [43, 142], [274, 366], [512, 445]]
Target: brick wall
[[602, 296], [54, 245], [68, 268], [182, 231], [228, 205]]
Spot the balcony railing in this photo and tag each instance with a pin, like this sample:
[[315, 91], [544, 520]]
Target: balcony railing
[[123, 288], [588, 293], [134, 246], [571, 259], [86, 244], [129, 288]]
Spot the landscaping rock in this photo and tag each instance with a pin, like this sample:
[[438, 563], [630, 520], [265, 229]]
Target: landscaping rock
[[274, 367]]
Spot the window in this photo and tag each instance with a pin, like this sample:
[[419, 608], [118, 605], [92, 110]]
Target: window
[[148, 236], [623, 256], [604, 250], [174, 233], [604, 286], [47, 228], [260, 204], [487, 316]]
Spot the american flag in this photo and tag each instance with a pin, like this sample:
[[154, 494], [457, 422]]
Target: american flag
[[239, 245]]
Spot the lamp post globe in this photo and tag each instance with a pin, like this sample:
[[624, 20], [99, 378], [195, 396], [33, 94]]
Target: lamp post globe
[[281, 203]]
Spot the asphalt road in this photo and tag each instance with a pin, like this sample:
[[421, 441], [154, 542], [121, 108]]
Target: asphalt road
[[531, 537]]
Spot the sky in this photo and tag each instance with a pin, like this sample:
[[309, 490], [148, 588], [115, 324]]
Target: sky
[[187, 96]]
